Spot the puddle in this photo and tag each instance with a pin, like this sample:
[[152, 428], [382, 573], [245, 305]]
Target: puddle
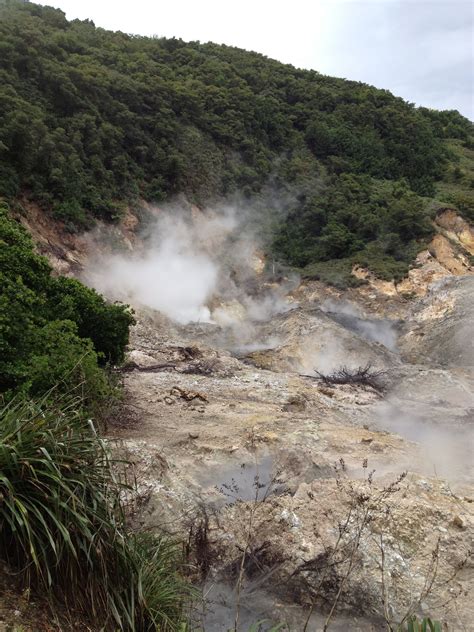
[[247, 479], [220, 609], [257, 605]]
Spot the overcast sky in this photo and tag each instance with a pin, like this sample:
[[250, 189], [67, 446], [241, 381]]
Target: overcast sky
[[421, 50]]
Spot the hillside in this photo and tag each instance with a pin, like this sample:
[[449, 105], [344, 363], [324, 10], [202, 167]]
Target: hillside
[[236, 352], [95, 121]]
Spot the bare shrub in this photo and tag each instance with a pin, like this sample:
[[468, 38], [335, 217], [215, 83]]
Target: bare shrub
[[199, 550], [361, 376]]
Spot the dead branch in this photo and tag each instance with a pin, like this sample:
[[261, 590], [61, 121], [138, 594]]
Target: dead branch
[[205, 366], [361, 376]]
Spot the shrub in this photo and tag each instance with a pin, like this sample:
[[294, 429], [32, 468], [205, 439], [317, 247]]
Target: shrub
[[107, 325], [336, 273], [62, 525], [361, 376], [353, 219], [62, 358], [73, 215], [53, 331], [464, 202]]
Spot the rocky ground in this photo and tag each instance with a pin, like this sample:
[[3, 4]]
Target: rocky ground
[[300, 499], [299, 487]]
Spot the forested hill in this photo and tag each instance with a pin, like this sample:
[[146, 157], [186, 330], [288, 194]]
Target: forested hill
[[91, 120]]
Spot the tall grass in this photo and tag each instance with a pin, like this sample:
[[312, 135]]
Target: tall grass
[[420, 625], [62, 523]]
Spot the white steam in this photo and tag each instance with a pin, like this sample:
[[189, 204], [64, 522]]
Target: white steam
[[193, 266], [446, 452], [175, 274], [350, 316]]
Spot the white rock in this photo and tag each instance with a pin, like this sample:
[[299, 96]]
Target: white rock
[[290, 518]]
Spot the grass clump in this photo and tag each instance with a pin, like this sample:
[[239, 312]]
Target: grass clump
[[62, 522], [423, 625]]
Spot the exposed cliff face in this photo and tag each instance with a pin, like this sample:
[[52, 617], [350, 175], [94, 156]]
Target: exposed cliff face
[[449, 253], [68, 252], [457, 229], [442, 329]]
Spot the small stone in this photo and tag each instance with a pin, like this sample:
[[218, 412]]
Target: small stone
[[296, 403], [269, 436], [329, 392], [425, 485], [458, 522]]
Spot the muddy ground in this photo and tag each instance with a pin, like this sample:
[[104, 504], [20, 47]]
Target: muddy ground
[[316, 496]]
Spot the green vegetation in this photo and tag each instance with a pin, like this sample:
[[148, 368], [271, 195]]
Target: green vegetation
[[423, 625], [355, 220], [94, 120], [62, 524], [53, 331], [457, 187]]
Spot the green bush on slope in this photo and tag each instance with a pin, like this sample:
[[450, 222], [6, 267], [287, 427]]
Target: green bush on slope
[[62, 524], [53, 331], [355, 220]]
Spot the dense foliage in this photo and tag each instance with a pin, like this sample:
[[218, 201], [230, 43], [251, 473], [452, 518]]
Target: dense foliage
[[92, 120], [346, 215], [62, 526], [53, 331]]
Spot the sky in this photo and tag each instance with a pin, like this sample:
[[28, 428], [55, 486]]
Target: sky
[[421, 50]]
